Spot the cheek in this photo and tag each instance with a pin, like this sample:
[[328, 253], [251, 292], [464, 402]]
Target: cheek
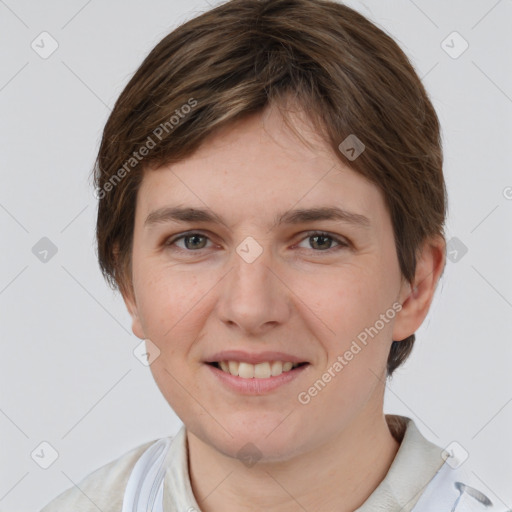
[[348, 299], [359, 315], [168, 302]]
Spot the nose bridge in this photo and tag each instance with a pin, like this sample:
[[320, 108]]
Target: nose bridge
[[251, 277], [252, 295], [252, 267]]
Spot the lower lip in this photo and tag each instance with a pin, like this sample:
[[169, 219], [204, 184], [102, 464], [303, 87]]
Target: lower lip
[[255, 386]]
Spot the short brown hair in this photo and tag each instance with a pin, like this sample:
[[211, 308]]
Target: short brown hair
[[348, 76]]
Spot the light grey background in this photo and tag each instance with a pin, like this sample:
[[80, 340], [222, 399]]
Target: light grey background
[[68, 375]]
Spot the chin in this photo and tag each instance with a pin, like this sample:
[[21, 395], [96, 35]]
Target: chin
[[253, 441]]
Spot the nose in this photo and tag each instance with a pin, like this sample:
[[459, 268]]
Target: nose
[[253, 296]]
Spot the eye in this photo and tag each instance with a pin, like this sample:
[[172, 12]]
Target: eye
[[196, 241], [192, 241], [323, 241]]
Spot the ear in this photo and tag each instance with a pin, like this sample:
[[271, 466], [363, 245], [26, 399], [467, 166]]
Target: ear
[[127, 292], [131, 305], [416, 299]]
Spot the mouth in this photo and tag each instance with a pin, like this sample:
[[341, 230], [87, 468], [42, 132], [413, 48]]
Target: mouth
[[263, 370]]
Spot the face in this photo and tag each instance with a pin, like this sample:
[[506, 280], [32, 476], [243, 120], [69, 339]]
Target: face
[[258, 279]]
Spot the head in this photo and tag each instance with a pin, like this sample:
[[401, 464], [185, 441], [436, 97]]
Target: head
[[248, 111]]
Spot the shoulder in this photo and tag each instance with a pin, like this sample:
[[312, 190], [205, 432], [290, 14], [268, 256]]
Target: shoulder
[[103, 489]]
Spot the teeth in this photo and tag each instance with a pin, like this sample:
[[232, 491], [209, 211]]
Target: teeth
[[277, 368], [246, 370], [258, 371], [233, 367], [287, 367], [262, 370]]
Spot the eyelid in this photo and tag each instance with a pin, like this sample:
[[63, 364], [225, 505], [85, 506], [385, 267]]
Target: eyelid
[[340, 240], [179, 236]]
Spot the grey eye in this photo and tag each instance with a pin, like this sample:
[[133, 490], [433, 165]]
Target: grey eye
[[194, 244]]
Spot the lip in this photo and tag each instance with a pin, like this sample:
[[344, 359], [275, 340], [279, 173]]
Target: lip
[[253, 358], [254, 386]]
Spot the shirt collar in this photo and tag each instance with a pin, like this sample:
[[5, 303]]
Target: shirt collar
[[415, 464]]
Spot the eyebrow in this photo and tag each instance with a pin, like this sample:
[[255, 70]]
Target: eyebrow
[[297, 216]]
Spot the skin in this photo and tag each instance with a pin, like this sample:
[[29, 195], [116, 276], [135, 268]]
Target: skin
[[301, 297]]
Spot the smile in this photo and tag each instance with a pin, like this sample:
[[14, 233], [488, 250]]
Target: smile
[[262, 370], [255, 379]]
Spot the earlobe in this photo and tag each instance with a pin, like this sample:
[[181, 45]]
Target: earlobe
[[137, 328], [416, 304], [129, 301], [131, 305], [125, 286], [134, 313]]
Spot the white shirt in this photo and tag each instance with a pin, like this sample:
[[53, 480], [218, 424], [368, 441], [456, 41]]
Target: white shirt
[[414, 467]]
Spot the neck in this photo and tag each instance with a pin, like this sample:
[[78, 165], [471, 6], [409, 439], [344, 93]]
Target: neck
[[338, 475]]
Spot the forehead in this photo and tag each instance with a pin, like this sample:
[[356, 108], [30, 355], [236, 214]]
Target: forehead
[[257, 167]]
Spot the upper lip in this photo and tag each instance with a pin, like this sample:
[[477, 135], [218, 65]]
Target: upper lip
[[253, 358]]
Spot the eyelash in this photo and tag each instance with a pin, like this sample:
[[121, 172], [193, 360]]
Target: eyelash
[[309, 234]]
